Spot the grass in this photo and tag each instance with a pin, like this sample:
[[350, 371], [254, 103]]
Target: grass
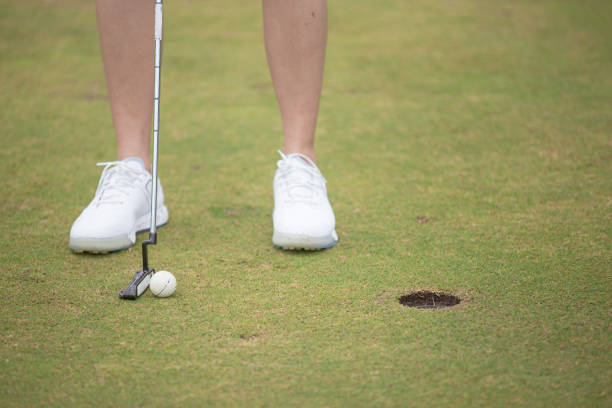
[[490, 121]]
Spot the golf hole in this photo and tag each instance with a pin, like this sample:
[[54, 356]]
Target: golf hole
[[425, 299]]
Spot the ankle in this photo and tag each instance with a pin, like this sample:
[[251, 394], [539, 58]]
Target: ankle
[[306, 151]]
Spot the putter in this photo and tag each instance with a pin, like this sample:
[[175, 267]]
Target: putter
[[140, 282]]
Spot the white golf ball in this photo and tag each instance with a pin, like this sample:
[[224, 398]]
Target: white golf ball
[[163, 284]]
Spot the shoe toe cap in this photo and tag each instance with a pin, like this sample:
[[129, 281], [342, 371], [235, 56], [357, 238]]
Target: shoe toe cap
[[304, 219], [101, 224]]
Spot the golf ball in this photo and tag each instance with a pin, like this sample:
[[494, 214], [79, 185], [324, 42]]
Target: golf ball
[[163, 284]]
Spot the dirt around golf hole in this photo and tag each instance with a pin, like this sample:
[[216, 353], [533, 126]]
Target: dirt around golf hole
[[425, 299]]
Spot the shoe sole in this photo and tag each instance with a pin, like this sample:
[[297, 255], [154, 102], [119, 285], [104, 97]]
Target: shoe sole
[[119, 242], [295, 242]]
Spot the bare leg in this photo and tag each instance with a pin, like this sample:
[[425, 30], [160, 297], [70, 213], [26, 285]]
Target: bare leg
[[126, 39], [295, 33]]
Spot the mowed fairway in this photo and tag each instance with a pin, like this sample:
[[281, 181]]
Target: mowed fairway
[[467, 146]]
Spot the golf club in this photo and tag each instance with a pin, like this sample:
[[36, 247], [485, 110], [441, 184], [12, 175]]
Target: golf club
[[140, 282]]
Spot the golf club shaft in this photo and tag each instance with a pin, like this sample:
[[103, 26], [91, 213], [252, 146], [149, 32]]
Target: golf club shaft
[[141, 279], [158, 51]]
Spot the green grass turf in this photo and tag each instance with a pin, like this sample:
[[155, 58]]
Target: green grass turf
[[491, 120]]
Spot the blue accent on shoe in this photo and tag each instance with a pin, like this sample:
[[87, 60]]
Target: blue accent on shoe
[[306, 249], [135, 159]]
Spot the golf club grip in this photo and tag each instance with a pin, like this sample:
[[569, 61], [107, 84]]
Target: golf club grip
[[158, 20]]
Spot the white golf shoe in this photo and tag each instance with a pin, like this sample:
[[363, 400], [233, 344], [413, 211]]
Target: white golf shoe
[[303, 217], [121, 208]]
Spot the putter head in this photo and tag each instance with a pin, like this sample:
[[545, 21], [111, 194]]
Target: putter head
[[138, 285]]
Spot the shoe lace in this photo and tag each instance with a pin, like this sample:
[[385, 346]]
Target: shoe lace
[[302, 182], [117, 181]]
